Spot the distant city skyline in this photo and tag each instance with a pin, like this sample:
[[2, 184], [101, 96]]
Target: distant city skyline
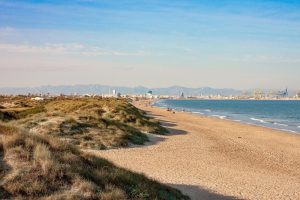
[[221, 44]]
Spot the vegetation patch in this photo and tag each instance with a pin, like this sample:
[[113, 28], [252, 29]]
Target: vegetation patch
[[14, 114], [39, 166], [98, 123]]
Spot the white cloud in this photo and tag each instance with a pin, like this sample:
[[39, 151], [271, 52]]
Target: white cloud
[[64, 49]]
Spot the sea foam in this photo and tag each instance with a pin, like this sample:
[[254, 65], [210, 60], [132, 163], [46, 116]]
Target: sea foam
[[259, 120], [288, 130], [281, 124], [196, 112], [219, 116]]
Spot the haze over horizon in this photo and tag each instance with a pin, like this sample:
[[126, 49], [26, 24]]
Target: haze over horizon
[[220, 44], [145, 87]]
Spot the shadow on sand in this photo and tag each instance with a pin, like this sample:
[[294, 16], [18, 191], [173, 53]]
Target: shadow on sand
[[170, 126], [155, 138], [4, 168], [174, 131], [167, 123], [198, 193]]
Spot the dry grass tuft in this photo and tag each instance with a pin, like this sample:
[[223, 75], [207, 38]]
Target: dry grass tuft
[[111, 192]]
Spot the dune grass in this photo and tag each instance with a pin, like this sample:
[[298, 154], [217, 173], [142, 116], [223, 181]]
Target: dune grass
[[39, 166], [97, 123], [14, 114]]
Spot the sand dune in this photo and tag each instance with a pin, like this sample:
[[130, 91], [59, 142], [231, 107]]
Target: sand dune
[[210, 158]]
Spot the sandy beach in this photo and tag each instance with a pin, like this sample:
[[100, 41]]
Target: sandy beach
[[208, 158]]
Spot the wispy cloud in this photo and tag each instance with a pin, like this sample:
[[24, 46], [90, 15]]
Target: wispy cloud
[[64, 49], [4, 31], [263, 59]]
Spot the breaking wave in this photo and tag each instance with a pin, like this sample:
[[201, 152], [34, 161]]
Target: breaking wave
[[258, 120]]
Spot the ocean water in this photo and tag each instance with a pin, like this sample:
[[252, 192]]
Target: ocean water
[[283, 115]]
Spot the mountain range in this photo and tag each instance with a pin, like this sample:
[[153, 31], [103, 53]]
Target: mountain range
[[105, 89]]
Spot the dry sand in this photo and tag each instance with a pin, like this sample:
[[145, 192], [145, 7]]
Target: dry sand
[[208, 158]]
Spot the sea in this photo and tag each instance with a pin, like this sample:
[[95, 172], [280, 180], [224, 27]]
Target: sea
[[276, 114]]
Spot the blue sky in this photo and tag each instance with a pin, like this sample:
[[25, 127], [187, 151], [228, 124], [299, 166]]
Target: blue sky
[[219, 43]]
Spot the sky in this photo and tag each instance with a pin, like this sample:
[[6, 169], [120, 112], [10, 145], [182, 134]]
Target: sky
[[239, 44]]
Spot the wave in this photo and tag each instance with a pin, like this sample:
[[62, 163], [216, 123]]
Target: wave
[[196, 112], [219, 116], [280, 124], [258, 120], [288, 130], [298, 126], [207, 110]]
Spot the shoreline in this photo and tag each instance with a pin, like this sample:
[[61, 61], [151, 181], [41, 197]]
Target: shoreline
[[209, 158], [292, 99], [223, 117], [219, 117]]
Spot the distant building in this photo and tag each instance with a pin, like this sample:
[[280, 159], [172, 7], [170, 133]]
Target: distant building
[[149, 94], [37, 99], [284, 93], [87, 95], [113, 94], [182, 95]]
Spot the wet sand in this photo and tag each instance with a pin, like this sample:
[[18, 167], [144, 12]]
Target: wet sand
[[208, 158]]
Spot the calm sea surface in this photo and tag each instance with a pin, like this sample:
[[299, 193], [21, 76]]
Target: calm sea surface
[[283, 115]]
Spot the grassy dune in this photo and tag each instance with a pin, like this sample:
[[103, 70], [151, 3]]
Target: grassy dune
[[87, 122], [40, 166], [41, 146]]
